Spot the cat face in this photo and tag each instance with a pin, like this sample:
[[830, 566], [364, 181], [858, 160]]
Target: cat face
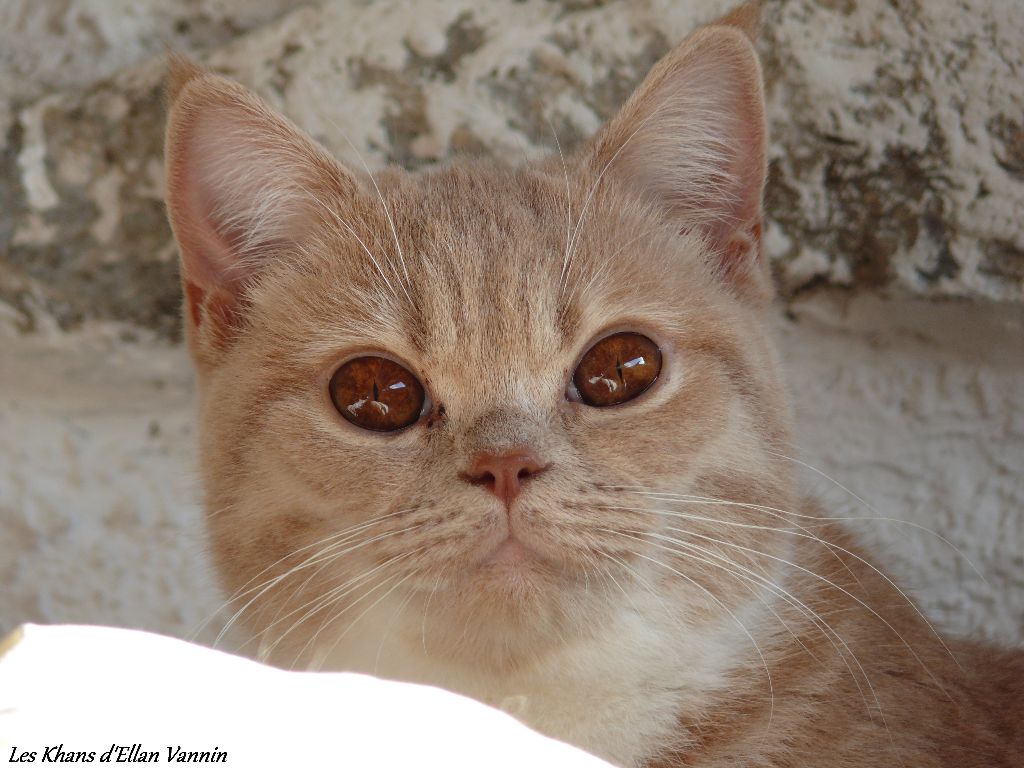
[[463, 397]]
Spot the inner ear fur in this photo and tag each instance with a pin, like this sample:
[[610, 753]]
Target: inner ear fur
[[692, 142], [243, 184]]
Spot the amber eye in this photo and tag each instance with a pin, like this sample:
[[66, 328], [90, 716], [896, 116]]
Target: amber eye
[[617, 369], [377, 394]]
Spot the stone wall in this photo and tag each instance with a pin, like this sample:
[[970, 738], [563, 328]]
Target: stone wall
[[897, 163]]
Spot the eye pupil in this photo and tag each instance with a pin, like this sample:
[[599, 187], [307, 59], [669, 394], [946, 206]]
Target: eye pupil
[[377, 394], [603, 379]]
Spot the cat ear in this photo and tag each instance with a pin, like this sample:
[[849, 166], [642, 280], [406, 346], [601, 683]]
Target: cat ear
[[242, 183], [692, 140], [746, 18]]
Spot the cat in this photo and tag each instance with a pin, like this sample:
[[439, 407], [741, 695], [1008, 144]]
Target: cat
[[520, 432]]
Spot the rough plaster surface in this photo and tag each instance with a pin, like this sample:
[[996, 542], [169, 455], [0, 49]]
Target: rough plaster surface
[[916, 407], [897, 162], [67, 44], [98, 507]]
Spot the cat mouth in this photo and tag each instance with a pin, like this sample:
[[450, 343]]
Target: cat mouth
[[514, 558], [510, 552], [515, 541]]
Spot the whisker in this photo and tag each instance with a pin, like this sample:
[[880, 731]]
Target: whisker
[[605, 266], [874, 512], [324, 600], [350, 531], [702, 500], [328, 556], [307, 563], [348, 227], [779, 513], [774, 588], [606, 577], [319, 657], [384, 205], [724, 607], [335, 595], [365, 611], [830, 583], [876, 517], [615, 581], [568, 196], [426, 608], [391, 623], [672, 614], [814, 616], [567, 263], [222, 510]]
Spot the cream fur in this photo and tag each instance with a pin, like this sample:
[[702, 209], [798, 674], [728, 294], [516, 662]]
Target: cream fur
[[617, 693], [678, 603]]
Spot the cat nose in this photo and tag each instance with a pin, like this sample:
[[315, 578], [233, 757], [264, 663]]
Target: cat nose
[[504, 472]]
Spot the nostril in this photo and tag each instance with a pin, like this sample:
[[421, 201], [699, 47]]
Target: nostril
[[484, 477], [503, 473]]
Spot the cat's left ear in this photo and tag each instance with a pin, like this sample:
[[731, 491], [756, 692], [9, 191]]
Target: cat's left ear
[[243, 186], [692, 140]]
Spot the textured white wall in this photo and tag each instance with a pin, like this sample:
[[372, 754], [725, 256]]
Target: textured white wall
[[916, 407]]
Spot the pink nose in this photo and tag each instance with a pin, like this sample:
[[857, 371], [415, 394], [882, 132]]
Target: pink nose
[[504, 472]]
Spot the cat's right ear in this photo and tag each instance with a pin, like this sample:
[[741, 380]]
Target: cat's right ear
[[243, 186], [692, 142]]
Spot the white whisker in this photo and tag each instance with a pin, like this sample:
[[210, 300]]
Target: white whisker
[[315, 559], [723, 606], [814, 616], [830, 583], [335, 595], [573, 244], [348, 227], [384, 205], [832, 547], [366, 611], [876, 514]]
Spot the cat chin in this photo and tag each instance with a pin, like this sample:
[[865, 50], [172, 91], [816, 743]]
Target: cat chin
[[514, 582], [516, 555], [510, 582], [511, 554]]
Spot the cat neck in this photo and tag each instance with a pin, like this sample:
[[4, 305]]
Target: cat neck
[[620, 693]]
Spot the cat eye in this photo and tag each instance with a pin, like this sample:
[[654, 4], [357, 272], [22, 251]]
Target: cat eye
[[376, 393], [617, 369]]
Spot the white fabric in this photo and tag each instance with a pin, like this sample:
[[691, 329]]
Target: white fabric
[[90, 688]]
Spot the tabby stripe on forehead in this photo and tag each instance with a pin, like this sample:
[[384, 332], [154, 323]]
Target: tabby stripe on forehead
[[567, 320]]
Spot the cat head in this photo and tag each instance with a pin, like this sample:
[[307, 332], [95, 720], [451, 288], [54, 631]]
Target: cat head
[[480, 397]]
